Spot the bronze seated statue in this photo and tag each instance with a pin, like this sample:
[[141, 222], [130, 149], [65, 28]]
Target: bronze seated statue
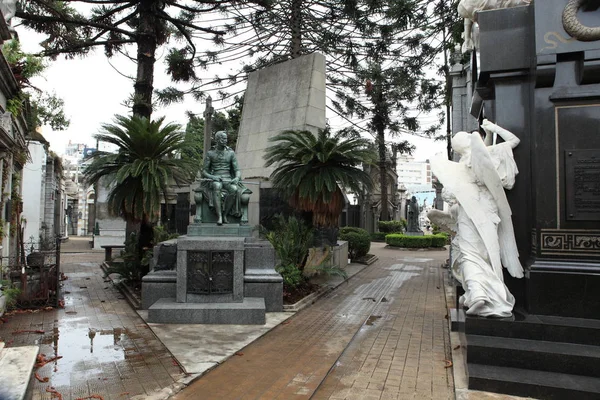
[[221, 197]]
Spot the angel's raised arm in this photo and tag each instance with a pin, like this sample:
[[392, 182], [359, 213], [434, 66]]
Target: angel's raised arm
[[490, 128]]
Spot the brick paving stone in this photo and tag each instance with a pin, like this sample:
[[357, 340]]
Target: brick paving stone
[[380, 335], [101, 339]]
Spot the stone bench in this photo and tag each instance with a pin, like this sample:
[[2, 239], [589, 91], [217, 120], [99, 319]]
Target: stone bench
[[108, 248], [16, 366]]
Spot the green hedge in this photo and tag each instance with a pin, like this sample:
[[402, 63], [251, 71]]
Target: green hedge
[[392, 226], [415, 242], [359, 241], [378, 236], [440, 240]]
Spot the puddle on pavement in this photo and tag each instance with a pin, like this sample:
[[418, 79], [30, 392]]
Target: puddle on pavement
[[83, 351], [395, 267], [88, 264], [415, 259], [412, 268], [372, 319]]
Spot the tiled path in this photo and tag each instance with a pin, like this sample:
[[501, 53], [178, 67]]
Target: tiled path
[[106, 348], [381, 335]]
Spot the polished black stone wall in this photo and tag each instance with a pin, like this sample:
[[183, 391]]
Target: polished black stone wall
[[544, 86]]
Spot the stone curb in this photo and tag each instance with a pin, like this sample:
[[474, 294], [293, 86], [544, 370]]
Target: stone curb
[[370, 261], [444, 248], [124, 289], [313, 297], [308, 300]]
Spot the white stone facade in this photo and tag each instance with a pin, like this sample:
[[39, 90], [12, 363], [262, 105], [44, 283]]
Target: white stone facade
[[34, 174]]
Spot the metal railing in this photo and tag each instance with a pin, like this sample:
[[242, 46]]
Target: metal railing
[[35, 271]]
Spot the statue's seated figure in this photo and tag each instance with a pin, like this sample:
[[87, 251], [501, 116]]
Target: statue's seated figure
[[221, 197]]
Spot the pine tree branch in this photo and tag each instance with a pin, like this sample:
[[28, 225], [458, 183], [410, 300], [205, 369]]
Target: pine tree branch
[[165, 16], [83, 23]]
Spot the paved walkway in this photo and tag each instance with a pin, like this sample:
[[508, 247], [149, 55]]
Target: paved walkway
[[381, 335], [105, 348]]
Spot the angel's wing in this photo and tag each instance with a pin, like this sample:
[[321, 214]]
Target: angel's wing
[[442, 219], [460, 181], [483, 168]]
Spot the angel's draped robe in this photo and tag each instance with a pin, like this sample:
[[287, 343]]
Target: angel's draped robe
[[471, 261]]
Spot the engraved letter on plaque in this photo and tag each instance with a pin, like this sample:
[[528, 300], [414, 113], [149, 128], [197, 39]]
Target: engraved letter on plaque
[[582, 173]]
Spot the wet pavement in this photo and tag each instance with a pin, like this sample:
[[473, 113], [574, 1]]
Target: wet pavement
[[383, 334], [102, 347]]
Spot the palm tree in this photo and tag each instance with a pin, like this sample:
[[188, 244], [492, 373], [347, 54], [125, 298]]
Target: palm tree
[[312, 169], [140, 171]]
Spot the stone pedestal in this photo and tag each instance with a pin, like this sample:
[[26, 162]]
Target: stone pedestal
[[156, 285], [260, 278], [219, 280], [214, 230]]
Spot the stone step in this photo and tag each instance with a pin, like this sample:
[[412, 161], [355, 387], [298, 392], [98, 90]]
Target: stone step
[[16, 367], [537, 327], [251, 311], [536, 384], [568, 358]]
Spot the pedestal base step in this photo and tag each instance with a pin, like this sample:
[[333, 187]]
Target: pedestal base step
[[529, 383], [249, 312]]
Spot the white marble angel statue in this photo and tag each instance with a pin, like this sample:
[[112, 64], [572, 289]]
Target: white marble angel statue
[[481, 217]]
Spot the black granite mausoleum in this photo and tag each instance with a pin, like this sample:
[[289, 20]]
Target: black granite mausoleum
[[542, 84]]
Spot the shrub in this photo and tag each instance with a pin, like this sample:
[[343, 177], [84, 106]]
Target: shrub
[[291, 274], [348, 229], [416, 242], [291, 239], [10, 292], [359, 241], [378, 236], [132, 268], [439, 240], [390, 226]]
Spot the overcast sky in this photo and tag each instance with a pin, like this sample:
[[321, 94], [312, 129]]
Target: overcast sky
[[93, 92]]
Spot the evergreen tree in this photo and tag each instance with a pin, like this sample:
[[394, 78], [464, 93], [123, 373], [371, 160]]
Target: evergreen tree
[[389, 87], [74, 27]]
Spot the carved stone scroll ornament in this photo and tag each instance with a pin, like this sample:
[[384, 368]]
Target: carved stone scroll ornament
[[574, 27]]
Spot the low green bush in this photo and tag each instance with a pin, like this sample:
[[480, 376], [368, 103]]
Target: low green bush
[[348, 229], [378, 236], [359, 241], [391, 226], [439, 240], [416, 242], [291, 274]]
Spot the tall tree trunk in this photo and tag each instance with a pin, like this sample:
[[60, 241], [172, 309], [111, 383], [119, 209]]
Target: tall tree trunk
[[146, 43], [296, 27], [131, 227], [448, 94], [379, 118], [383, 172]]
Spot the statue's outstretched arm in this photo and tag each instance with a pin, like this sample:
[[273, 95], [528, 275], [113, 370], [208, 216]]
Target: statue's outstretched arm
[[490, 128]]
